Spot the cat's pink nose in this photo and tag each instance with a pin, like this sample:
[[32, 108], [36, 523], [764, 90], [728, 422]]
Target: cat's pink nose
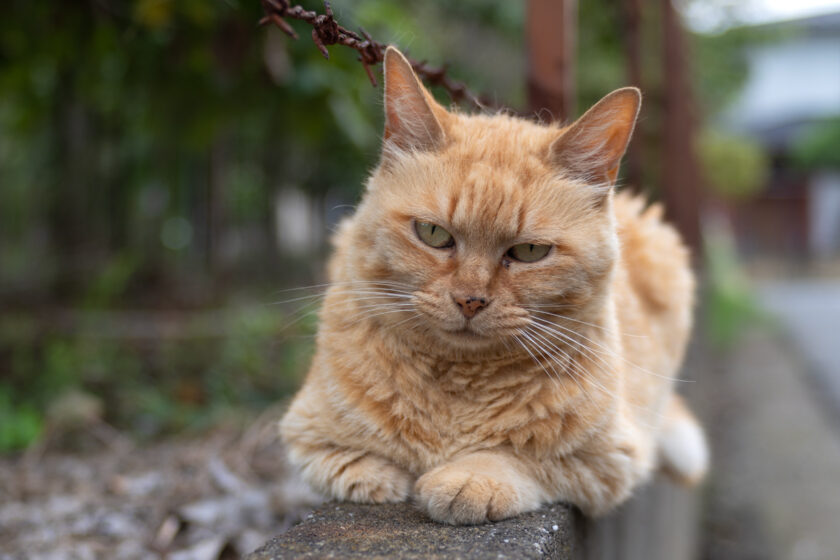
[[470, 305]]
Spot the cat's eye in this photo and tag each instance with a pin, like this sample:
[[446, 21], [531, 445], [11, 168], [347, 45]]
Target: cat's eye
[[433, 235], [528, 252]]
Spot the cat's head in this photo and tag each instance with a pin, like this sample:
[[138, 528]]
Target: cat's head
[[486, 218]]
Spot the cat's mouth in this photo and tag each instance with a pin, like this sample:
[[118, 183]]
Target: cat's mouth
[[467, 332]]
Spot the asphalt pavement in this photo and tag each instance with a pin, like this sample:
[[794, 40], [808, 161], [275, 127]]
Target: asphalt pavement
[[809, 313]]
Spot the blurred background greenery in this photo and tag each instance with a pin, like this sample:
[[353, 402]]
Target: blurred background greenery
[[167, 167]]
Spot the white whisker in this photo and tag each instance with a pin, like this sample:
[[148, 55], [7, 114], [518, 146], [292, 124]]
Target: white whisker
[[583, 372], [536, 360], [557, 379], [565, 318], [348, 283], [367, 314], [576, 367], [553, 326], [540, 350]]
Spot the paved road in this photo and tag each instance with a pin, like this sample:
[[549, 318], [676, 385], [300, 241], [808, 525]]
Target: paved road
[[809, 311], [775, 457]]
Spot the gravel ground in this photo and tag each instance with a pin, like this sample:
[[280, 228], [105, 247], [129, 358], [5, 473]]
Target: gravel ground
[[218, 496]]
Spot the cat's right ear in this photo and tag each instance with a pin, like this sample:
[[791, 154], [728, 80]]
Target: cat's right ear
[[591, 148], [411, 113]]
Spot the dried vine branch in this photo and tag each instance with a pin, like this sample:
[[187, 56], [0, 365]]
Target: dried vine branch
[[327, 31]]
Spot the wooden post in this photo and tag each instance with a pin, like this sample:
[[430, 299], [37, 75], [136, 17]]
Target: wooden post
[[681, 180], [631, 19], [551, 54]]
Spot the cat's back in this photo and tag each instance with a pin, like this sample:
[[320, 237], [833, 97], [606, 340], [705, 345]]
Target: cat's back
[[656, 260], [654, 285]]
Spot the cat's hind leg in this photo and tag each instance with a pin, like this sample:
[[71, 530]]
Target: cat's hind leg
[[683, 451]]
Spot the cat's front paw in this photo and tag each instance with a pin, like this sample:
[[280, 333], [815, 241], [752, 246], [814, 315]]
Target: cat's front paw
[[464, 497], [371, 480]]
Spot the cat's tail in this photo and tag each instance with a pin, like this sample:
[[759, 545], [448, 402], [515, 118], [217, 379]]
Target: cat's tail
[[683, 451]]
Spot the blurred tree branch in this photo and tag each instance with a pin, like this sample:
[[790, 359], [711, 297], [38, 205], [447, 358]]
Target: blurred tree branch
[[327, 31]]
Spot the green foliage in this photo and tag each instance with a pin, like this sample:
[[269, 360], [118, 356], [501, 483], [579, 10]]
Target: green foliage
[[112, 281], [720, 67], [735, 167], [149, 383], [117, 116], [166, 90], [20, 423], [819, 146], [601, 64]]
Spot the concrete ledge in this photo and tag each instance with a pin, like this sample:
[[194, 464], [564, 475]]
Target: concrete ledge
[[658, 524], [343, 530]]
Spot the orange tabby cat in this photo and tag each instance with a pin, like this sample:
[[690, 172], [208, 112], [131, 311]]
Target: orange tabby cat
[[501, 329]]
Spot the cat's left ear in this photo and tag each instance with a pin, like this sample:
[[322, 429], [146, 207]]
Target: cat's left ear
[[412, 116], [591, 148]]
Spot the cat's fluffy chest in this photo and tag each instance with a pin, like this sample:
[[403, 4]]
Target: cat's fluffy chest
[[426, 409]]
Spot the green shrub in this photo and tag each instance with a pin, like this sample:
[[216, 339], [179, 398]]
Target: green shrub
[[734, 167], [20, 422], [218, 362]]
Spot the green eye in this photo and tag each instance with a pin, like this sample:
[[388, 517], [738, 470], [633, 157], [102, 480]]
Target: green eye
[[433, 235], [528, 252]]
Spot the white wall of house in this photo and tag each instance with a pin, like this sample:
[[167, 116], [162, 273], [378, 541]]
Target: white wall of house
[[794, 80], [824, 234], [791, 84]]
